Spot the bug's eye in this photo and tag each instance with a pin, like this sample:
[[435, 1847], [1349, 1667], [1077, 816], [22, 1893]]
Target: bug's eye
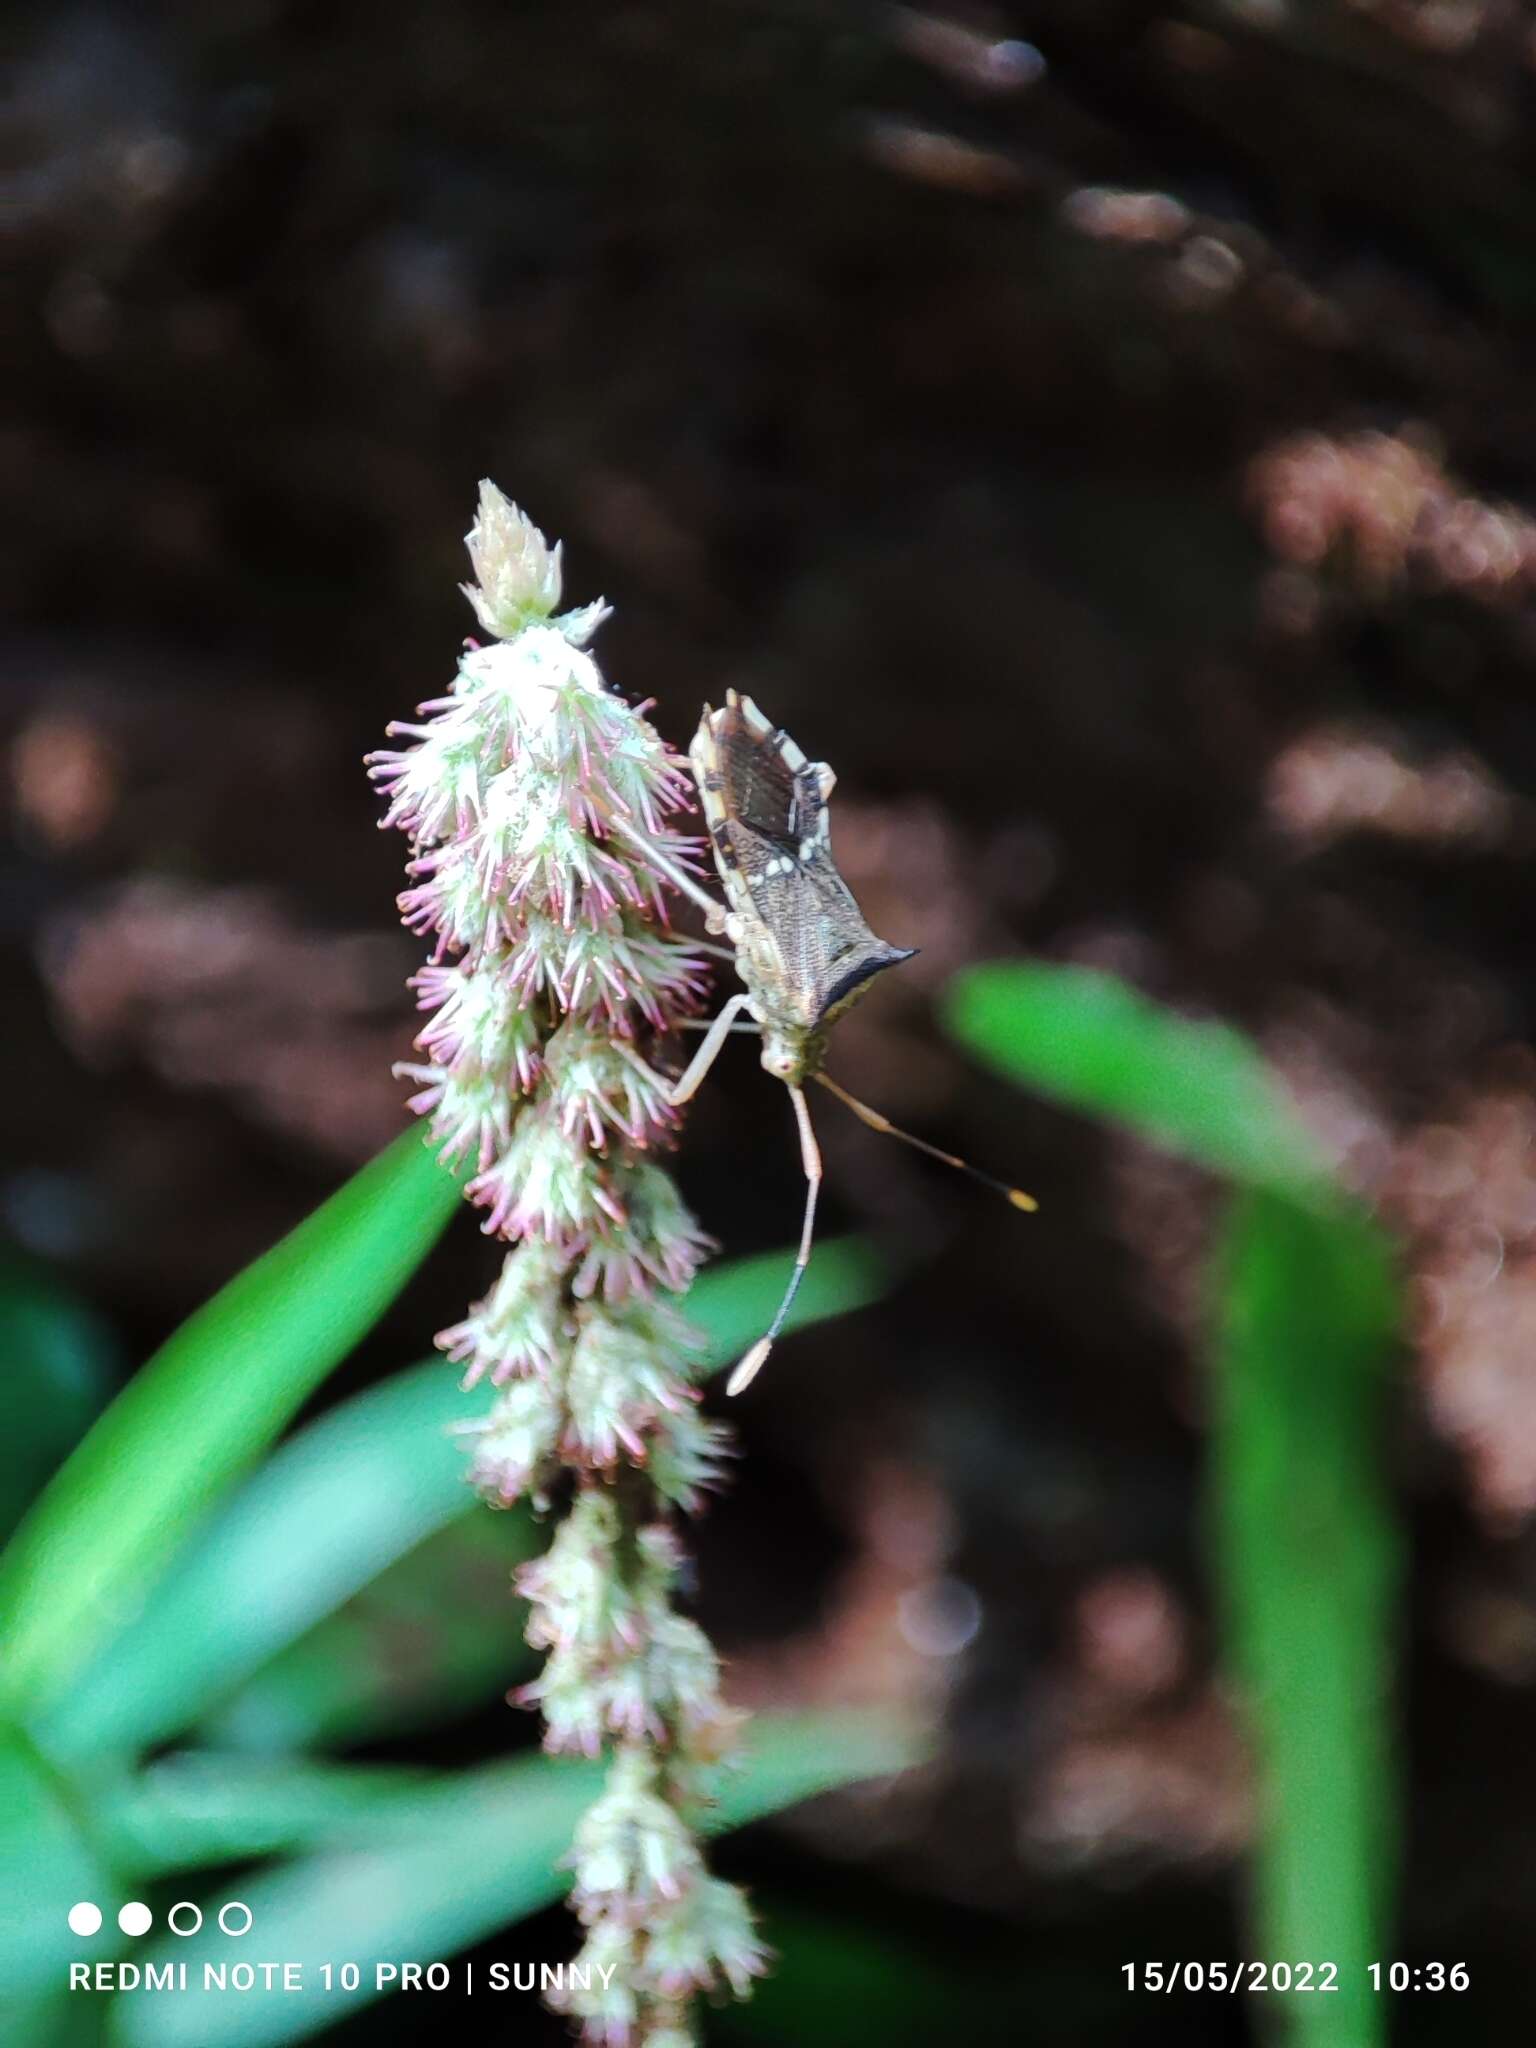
[[780, 1062]]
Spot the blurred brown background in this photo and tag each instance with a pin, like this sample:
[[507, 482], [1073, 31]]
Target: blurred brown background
[[1105, 432]]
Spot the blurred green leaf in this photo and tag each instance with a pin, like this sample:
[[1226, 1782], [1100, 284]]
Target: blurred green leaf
[[1085, 1039], [849, 1967], [328, 1511], [52, 2019], [1308, 1555], [1305, 1542], [60, 1368], [48, 1862], [347, 1498], [825, 1970], [350, 1495], [197, 1414], [197, 1808], [433, 1635], [430, 1876]]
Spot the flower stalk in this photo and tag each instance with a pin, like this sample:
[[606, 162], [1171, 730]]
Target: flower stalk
[[539, 808]]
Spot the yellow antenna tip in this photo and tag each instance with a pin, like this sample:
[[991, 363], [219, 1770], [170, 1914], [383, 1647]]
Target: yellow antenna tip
[[1022, 1201], [750, 1366]]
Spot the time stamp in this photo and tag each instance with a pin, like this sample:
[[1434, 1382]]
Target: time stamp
[[1292, 1977]]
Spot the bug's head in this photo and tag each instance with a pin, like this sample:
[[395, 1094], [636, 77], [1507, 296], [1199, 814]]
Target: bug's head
[[791, 1056]]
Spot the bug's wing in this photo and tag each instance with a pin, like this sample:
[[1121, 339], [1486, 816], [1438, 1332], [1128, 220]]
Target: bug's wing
[[757, 794], [830, 955], [755, 781], [765, 806], [842, 953]]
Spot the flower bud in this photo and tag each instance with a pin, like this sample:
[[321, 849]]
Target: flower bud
[[517, 574]]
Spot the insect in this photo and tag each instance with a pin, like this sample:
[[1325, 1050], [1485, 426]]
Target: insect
[[800, 942]]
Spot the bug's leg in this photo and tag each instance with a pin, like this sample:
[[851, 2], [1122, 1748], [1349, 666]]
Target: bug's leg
[[810, 1157], [678, 877], [708, 1052]]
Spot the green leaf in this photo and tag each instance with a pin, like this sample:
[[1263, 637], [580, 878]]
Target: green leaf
[[52, 2019], [1308, 1557], [48, 1863], [201, 1410], [195, 1808], [1085, 1039], [349, 1496], [427, 1877], [60, 1368], [1306, 1547], [328, 1511], [435, 1634], [835, 1957]]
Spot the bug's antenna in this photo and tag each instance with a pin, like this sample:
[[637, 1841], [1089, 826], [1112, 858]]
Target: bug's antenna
[[810, 1156], [877, 1122]]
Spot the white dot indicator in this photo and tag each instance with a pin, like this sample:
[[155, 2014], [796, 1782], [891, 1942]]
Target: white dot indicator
[[135, 1918], [85, 1918]]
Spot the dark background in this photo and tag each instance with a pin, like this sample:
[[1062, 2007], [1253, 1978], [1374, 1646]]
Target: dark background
[[1103, 431]]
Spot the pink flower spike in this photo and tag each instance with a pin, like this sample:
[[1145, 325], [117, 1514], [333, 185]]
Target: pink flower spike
[[552, 971]]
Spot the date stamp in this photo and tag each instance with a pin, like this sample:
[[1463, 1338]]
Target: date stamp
[[1230, 1977], [1235, 1978]]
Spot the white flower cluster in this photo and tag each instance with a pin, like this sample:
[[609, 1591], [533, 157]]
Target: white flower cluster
[[537, 805], [653, 1912]]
